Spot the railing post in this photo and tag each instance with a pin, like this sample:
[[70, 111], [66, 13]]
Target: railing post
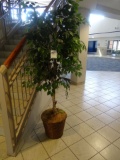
[[7, 114]]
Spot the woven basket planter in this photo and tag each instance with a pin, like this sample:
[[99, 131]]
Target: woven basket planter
[[54, 123]]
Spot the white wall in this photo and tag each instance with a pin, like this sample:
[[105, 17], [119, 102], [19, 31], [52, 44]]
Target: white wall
[[105, 25], [98, 31], [40, 103]]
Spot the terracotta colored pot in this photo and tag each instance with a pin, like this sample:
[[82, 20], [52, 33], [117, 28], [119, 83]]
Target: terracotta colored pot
[[54, 122]]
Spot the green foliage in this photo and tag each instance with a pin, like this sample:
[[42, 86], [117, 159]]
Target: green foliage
[[57, 30]]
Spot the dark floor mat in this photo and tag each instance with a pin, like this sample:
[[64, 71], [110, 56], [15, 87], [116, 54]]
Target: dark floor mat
[[103, 64]]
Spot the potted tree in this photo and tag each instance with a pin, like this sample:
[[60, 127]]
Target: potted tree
[[53, 48]]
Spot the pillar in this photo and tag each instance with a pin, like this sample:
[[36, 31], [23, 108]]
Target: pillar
[[84, 33]]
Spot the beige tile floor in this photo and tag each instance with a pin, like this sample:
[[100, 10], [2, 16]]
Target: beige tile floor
[[92, 130]]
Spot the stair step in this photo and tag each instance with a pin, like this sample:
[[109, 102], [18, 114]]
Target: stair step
[[2, 60], [18, 37], [11, 44], [9, 47], [4, 54], [13, 41]]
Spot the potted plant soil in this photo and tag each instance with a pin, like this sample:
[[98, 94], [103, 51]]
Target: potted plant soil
[[53, 48]]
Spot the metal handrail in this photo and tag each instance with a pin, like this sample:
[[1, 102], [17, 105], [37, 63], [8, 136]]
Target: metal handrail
[[14, 53]]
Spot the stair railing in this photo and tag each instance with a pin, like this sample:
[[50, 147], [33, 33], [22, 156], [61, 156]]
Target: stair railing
[[16, 99]]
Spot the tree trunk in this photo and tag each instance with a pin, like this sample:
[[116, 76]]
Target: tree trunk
[[54, 102]]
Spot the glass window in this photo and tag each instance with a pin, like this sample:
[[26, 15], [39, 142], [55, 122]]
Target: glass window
[[115, 45], [110, 44], [118, 47]]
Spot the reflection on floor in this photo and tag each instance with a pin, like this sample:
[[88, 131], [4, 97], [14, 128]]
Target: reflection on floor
[[92, 130]]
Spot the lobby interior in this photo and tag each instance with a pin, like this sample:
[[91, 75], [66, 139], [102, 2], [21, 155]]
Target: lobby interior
[[92, 129]]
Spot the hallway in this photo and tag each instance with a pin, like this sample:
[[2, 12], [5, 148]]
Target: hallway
[[92, 130]]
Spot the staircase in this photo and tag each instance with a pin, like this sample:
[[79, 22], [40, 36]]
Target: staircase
[[10, 44], [16, 99], [4, 53]]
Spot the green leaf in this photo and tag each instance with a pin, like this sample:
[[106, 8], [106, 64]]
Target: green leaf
[[58, 30]]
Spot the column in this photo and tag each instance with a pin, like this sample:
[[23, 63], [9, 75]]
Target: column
[[84, 33]]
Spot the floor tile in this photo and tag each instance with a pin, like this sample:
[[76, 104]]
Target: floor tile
[[69, 113], [18, 157], [97, 141], [97, 157], [93, 111], [110, 104], [109, 133], [84, 105], [62, 99], [108, 98], [67, 126], [83, 129], [117, 108], [54, 146], [73, 120], [30, 141], [111, 153], [83, 150], [62, 92], [115, 125], [93, 102], [58, 105], [67, 104], [114, 114], [71, 96], [100, 99], [70, 137], [2, 139], [102, 108], [36, 152], [92, 95], [116, 101], [77, 94], [95, 123], [39, 124], [1, 122], [75, 109], [40, 132], [66, 154], [117, 143], [3, 151], [105, 118], [86, 98], [84, 115], [76, 100]]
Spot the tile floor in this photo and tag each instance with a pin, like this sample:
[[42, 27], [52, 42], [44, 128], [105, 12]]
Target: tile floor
[[92, 130]]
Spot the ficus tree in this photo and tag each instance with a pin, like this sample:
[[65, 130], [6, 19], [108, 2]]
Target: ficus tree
[[53, 48]]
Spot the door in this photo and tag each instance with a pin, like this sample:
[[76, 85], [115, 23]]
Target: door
[[92, 46]]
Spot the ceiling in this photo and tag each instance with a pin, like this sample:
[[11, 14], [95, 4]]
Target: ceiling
[[41, 2], [109, 8]]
